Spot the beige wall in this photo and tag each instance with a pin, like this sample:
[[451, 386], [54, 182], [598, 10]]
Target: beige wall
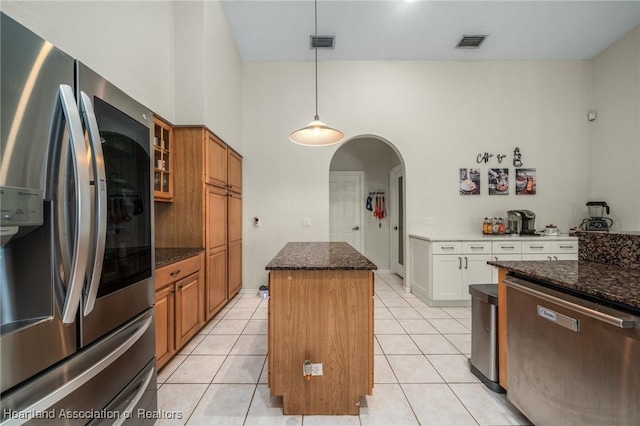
[[177, 58], [615, 134], [439, 116]]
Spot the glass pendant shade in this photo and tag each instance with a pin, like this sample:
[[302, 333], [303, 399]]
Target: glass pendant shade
[[316, 133]]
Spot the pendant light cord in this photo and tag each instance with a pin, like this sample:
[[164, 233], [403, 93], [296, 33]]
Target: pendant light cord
[[315, 45]]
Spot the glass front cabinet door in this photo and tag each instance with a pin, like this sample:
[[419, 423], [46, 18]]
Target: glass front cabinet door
[[162, 161]]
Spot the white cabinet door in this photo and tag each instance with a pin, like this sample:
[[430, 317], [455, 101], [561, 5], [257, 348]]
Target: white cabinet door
[[505, 258], [474, 271], [447, 277]]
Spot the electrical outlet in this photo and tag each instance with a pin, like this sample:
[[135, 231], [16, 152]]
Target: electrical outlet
[[316, 369], [306, 221]]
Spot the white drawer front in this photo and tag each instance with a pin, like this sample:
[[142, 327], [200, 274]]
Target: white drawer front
[[452, 247], [476, 247], [506, 247], [536, 247], [564, 247]]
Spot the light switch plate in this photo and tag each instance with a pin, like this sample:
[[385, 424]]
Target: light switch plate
[[306, 221]]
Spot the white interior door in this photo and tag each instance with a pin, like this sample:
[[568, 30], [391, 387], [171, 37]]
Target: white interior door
[[345, 208], [396, 218]]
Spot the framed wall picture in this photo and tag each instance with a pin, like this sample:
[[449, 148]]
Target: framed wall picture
[[469, 182], [498, 181], [526, 181]]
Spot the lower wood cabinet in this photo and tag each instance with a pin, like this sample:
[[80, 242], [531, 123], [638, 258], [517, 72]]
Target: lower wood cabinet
[[179, 309], [216, 282]]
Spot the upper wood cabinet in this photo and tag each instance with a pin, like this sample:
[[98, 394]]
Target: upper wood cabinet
[[216, 169], [234, 174], [162, 160]]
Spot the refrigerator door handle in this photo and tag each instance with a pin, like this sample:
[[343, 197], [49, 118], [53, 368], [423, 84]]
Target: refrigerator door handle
[[100, 204], [82, 207]]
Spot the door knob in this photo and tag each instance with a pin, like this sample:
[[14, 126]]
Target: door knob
[[395, 228], [356, 228]]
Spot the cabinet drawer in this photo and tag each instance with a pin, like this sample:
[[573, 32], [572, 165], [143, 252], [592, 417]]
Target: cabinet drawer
[[476, 247], [452, 247], [176, 271], [506, 247], [564, 247], [536, 247]]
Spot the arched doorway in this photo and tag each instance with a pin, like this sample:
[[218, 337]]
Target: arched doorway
[[364, 175]]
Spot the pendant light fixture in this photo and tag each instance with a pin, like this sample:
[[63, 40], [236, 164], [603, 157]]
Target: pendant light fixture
[[316, 133]]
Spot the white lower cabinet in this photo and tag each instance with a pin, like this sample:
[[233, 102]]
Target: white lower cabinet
[[441, 271], [451, 274]]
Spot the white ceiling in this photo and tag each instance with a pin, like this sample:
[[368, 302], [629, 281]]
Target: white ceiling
[[270, 30]]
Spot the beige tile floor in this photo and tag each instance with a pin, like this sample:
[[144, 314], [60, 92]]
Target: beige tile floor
[[420, 372]]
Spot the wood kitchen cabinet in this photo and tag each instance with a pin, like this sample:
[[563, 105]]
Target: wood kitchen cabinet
[[179, 305], [207, 210], [162, 160], [234, 174], [234, 250], [216, 157], [216, 248]]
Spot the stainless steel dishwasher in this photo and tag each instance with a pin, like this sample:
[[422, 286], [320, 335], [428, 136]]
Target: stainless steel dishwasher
[[571, 361]]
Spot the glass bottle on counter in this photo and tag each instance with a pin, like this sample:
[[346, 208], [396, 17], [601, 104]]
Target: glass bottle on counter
[[500, 226], [486, 225], [494, 226]]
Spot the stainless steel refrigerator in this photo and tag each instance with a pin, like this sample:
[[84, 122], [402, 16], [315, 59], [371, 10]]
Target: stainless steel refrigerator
[[77, 337]]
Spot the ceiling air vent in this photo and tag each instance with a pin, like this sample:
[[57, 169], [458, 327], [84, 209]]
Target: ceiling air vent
[[470, 41], [323, 42]]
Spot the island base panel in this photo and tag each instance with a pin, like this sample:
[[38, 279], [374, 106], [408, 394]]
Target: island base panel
[[325, 316]]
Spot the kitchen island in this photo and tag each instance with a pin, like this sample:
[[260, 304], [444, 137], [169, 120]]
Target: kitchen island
[[320, 312]]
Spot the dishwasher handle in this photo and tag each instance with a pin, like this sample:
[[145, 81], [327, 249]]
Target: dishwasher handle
[[574, 304]]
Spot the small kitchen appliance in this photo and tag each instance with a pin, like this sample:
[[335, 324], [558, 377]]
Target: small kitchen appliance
[[521, 222], [597, 220]]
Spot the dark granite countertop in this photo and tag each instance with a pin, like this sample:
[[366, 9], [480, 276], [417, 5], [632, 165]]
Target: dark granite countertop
[[605, 283], [166, 256], [319, 256]]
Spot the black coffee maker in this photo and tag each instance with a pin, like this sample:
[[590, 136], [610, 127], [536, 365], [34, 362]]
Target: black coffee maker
[[597, 220]]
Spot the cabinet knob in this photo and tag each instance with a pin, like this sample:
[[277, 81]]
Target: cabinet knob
[[290, 278]]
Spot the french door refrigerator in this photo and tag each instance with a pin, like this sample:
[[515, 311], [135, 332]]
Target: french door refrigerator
[[76, 242]]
